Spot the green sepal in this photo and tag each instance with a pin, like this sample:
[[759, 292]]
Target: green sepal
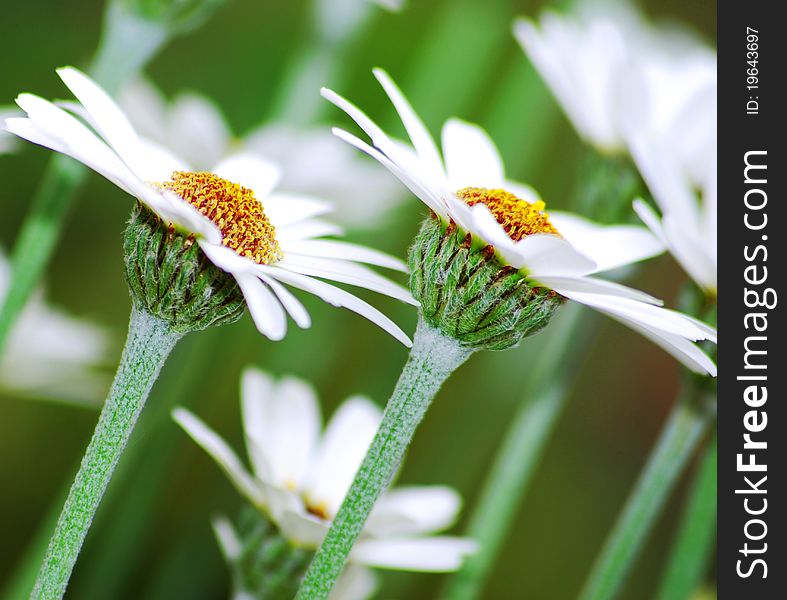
[[268, 566], [467, 293], [172, 279]]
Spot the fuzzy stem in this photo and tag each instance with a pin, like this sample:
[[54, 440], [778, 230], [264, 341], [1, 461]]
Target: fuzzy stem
[[148, 344], [519, 453], [683, 431], [694, 540], [432, 359]]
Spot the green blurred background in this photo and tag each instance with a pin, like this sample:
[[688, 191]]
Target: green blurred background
[[152, 538]]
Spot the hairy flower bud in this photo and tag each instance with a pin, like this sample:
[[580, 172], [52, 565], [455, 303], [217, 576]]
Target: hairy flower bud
[[468, 295], [265, 565], [170, 277]]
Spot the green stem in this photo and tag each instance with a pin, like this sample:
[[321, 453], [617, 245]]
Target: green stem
[[432, 359], [685, 426], [520, 452], [127, 43], [149, 342], [694, 540]]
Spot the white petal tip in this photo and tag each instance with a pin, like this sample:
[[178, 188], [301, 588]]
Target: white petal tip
[[180, 416]]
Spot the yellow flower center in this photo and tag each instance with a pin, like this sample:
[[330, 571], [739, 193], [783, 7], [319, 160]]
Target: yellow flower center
[[233, 209], [319, 510], [517, 217]]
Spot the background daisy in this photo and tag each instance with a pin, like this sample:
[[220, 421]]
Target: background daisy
[[310, 159], [301, 474], [52, 355]]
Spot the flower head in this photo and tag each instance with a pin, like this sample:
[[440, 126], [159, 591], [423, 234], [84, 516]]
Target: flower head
[[259, 237], [51, 354], [301, 474], [467, 188]]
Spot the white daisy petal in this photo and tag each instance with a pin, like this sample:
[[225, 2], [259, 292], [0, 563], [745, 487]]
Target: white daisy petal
[[592, 285], [471, 158], [481, 223], [110, 120], [414, 510], [265, 309], [609, 246], [419, 135], [688, 353], [160, 162], [306, 230], [303, 529], [249, 171], [410, 180], [200, 129], [146, 108], [340, 452], [551, 256], [173, 209], [224, 456], [51, 123], [282, 425], [288, 209], [346, 251], [257, 388], [346, 272], [651, 219], [432, 554], [338, 297], [641, 313], [522, 191], [227, 259], [402, 161], [230, 543], [355, 583], [291, 304], [377, 135], [688, 249]]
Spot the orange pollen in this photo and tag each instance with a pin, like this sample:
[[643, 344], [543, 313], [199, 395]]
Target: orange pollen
[[318, 510], [233, 209], [517, 217]]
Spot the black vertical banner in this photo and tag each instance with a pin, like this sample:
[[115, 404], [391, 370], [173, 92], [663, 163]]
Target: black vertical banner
[[752, 468]]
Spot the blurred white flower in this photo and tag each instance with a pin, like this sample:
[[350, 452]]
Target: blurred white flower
[[263, 238], [300, 476], [8, 142], [311, 160], [628, 86], [687, 226], [612, 71], [51, 355]]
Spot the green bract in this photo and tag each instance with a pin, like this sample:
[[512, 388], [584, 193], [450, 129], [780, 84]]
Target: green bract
[[468, 295], [171, 278], [265, 566]]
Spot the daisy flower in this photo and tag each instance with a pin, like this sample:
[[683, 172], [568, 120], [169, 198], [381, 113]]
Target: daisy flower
[[311, 160], [300, 476], [467, 186], [50, 354], [649, 91], [611, 71], [264, 239]]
